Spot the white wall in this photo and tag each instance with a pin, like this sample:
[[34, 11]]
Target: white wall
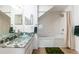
[[52, 24], [43, 9], [27, 11], [74, 9], [76, 14], [6, 9], [76, 22]]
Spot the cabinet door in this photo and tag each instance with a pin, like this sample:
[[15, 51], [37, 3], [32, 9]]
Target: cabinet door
[[18, 19], [29, 47]]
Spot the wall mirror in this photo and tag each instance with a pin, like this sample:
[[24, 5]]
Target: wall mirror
[[29, 21], [18, 19]]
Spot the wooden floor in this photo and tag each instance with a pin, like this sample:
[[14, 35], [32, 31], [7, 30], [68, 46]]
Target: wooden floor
[[68, 51], [65, 50]]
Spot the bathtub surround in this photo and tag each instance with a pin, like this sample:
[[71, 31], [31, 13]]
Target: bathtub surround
[[52, 24], [48, 41], [51, 31]]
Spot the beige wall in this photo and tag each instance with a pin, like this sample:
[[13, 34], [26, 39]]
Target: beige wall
[[52, 24], [4, 22]]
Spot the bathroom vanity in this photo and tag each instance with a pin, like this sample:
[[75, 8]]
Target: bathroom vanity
[[17, 44]]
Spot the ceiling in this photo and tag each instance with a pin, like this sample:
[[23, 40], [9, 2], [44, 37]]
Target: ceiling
[[59, 8], [56, 9]]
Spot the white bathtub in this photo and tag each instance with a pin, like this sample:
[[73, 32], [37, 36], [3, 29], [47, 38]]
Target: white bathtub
[[51, 41]]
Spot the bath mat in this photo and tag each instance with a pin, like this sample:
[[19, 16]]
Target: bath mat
[[35, 51], [54, 50]]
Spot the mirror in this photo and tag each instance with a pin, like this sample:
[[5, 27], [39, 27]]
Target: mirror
[[18, 19], [29, 21]]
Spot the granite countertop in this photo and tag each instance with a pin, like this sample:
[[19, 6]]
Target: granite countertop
[[18, 42]]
